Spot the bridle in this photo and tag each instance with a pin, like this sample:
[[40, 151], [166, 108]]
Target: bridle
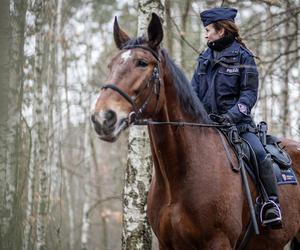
[[153, 82]]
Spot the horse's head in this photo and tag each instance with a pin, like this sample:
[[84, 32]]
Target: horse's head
[[133, 84]]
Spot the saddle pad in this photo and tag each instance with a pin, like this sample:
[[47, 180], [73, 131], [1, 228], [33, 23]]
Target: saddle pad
[[285, 176]]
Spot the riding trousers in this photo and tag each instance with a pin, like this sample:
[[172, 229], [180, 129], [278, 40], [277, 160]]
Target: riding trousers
[[256, 144]]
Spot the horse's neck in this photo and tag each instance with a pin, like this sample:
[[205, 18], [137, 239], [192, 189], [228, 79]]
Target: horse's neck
[[169, 143]]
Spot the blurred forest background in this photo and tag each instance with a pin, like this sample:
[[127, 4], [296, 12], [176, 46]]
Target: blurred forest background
[[60, 186]]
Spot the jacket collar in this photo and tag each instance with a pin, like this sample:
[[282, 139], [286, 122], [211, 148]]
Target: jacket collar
[[231, 51]]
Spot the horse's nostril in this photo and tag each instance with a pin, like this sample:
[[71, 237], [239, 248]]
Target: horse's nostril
[[111, 116]]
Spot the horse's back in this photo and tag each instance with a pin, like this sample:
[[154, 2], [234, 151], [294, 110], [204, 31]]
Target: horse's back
[[293, 149]]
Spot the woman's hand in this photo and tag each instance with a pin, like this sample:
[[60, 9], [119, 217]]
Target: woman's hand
[[221, 119]]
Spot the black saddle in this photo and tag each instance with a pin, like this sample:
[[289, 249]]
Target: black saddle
[[278, 154], [282, 161]]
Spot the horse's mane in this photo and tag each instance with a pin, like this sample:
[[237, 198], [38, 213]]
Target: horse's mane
[[187, 96]]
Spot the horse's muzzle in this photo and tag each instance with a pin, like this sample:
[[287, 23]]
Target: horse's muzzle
[[107, 126]]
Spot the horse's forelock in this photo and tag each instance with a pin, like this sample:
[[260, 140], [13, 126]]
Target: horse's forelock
[[136, 41]]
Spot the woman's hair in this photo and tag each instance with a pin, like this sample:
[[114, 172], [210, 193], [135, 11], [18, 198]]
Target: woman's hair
[[231, 30]]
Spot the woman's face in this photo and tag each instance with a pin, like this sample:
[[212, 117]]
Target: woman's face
[[211, 34]]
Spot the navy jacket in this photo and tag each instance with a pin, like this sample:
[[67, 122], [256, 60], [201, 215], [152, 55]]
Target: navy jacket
[[227, 84]]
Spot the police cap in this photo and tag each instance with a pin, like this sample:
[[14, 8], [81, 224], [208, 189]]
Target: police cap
[[217, 14]]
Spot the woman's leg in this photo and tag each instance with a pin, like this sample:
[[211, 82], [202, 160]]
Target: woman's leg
[[258, 148], [271, 212]]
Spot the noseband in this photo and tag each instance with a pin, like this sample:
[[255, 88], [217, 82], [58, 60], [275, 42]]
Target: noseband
[[154, 81]]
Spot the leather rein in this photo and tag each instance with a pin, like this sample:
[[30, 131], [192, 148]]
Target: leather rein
[[155, 82]]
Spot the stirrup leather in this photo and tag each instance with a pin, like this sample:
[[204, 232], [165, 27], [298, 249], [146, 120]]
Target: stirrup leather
[[265, 206]]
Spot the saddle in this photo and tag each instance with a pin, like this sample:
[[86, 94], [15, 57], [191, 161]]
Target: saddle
[[282, 165], [282, 162]]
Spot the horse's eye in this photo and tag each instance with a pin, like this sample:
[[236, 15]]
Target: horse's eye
[[141, 63]]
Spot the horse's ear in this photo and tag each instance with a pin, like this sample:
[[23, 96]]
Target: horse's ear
[[120, 36], [155, 31]]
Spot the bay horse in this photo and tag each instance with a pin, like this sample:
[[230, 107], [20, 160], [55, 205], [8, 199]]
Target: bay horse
[[195, 200]]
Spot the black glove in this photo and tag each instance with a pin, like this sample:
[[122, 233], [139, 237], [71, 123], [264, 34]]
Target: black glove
[[221, 119]]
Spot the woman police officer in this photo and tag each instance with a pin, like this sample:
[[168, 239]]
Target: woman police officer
[[226, 82]]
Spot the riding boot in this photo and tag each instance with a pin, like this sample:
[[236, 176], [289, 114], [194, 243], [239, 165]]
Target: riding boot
[[270, 212]]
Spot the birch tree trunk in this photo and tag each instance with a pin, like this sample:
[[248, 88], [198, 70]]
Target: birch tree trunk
[[39, 131], [169, 31], [66, 176], [87, 159], [30, 195], [87, 190], [55, 80], [87, 186], [136, 230]]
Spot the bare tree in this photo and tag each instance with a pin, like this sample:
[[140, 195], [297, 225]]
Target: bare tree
[[169, 32], [40, 128], [5, 40], [184, 8], [12, 23]]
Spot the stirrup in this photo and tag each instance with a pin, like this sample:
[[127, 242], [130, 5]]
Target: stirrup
[[276, 222]]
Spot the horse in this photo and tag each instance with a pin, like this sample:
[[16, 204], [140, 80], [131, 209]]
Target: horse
[[195, 200]]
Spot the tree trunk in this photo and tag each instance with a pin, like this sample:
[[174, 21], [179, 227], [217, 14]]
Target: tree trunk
[[71, 217], [13, 26], [39, 131], [15, 97], [285, 91], [87, 160], [5, 41], [67, 178], [169, 31], [30, 196], [298, 65], [184, 18], [87, 187], [136, 230]]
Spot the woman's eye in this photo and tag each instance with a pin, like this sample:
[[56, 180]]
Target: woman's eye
[[141, 63]]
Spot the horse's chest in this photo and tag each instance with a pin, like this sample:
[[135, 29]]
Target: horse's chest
[[172, 225]]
